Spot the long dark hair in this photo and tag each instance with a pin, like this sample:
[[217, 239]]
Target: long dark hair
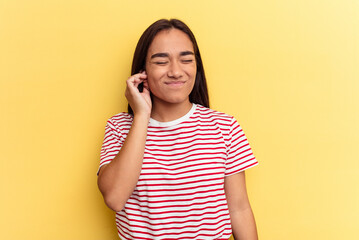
[[199, 92]]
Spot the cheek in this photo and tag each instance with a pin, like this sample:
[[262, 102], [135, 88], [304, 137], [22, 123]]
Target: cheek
[[154, 73], [154, 76], [153, 82], [151, 86], [192, 70]]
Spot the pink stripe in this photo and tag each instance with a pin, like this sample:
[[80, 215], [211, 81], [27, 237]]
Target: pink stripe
[[174, 184], [182, 142], [176, 205], [182, 189], [177, 211], [177, 195], [173, 169]]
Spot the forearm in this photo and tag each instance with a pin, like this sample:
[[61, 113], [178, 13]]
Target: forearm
[[118, 179], [243, 224]]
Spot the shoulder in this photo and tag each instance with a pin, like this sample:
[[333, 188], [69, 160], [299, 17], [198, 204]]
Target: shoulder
[[214, 116], [120, 120]]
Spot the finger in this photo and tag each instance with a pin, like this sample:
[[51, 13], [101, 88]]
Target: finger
[[137, 81], [133, 81], [141, 75]]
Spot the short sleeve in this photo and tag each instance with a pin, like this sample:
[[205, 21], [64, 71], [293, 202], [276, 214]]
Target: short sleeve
[[239, 154], [112, 144]]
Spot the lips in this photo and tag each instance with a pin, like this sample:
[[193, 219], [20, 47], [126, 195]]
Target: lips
[[175, 83]]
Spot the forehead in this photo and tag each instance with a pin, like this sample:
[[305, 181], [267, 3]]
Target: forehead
[[170, 41]]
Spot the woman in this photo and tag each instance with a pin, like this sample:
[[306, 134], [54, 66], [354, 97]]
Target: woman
[[171, 167]]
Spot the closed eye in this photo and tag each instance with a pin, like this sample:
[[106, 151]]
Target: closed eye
[[187, 61], [161, 63]]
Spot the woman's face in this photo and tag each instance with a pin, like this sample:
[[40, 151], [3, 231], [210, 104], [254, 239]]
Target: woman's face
[[171, 67]]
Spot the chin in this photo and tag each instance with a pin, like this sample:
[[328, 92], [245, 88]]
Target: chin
[[175, 99]]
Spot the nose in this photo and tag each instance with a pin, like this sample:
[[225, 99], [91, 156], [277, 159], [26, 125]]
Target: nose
[[175, 70]]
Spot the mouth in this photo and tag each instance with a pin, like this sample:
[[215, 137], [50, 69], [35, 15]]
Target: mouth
[[175, 83]]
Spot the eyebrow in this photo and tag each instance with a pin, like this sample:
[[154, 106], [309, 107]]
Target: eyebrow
[[159, 55], [184, 53]]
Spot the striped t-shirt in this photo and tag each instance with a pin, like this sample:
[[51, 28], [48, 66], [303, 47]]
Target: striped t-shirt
[[180, 191]]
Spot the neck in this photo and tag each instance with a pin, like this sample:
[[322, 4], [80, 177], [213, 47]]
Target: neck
[[165, 112]]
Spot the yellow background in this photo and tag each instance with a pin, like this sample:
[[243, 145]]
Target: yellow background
[[287, 70]]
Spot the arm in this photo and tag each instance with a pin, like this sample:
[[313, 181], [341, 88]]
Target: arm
[[118, 179], [242, 219]]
